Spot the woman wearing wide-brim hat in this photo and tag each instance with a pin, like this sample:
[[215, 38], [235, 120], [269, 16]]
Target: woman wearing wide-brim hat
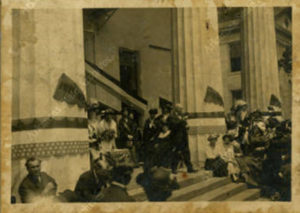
[[107, 131], [213, 160]]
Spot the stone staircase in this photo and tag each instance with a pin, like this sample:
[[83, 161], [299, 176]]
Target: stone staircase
[[201, 186]]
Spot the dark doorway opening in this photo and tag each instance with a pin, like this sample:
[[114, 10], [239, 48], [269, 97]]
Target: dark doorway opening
[[129, 62]]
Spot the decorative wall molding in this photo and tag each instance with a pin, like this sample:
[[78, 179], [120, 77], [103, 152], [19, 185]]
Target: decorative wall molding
[[48, 123], [59, 148]]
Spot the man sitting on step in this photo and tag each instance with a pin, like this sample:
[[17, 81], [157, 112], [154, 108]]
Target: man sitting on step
[[36, 185], [158, 184], [121, 175], [92, 182]]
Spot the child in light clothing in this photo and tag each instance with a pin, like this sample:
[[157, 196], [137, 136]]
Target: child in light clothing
[[229, 157]]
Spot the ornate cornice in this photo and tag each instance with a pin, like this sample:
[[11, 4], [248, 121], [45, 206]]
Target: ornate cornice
[[234, 27]]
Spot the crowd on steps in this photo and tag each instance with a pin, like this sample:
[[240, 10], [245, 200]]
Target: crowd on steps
[[256, 149]]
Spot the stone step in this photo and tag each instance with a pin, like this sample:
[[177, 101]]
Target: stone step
[[184, 180], [247, 195], [221, 193], [194, 190]]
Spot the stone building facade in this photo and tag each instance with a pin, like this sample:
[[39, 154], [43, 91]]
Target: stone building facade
[[136, 58]]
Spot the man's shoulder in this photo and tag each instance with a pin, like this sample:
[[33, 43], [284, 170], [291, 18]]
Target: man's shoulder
[[116, 193], [86, 175], [44, 175], [26, 181]]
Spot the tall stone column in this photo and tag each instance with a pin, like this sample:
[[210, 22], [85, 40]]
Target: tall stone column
[[260, 78], [48, 43], [197, 75]]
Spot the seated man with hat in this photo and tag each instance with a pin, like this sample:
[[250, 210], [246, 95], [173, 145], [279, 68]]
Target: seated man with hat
[[92, 182], [121, 176]]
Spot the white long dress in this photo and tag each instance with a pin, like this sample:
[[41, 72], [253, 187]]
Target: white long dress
[[229, 156], [107, 145]]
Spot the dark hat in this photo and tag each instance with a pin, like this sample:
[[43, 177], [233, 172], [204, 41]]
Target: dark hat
[[121, 158], [212, 137], [161, 179], [240, 104], [166, 106], [153, 111], [256, 115], [229, 136], [108, 112], [160, 175]]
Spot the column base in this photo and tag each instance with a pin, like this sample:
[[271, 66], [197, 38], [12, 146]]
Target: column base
[[200, 129]]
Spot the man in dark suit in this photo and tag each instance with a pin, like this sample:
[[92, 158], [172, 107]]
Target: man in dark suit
[[124, 130], [90, 184], [150, 133], [180, 140], [163, 143], [150, 127], [36, 184]]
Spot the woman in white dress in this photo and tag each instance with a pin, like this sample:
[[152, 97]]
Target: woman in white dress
[[107, 131], [228, 155]]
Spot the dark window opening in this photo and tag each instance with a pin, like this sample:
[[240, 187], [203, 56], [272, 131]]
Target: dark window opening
[[236, 95], [89, 46], [129, 71], [235, 64], [235, 56]]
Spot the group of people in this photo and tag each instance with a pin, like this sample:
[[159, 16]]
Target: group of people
[[256, 149], [166, 139], [105, 181], [163, 141], [107, 134]]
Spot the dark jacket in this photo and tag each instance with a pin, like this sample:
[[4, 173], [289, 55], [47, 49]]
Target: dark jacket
[[88, 187], [150, 132], [116, 193], [30, 188]]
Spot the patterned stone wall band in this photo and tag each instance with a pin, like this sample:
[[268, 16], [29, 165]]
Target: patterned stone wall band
[[201, 130], [48, 123], [60, 148], [194, 115]]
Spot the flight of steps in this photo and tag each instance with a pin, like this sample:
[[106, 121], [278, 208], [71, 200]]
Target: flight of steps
[[202, 186]]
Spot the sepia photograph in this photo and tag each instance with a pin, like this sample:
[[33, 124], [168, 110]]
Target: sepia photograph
[[151, 104]]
